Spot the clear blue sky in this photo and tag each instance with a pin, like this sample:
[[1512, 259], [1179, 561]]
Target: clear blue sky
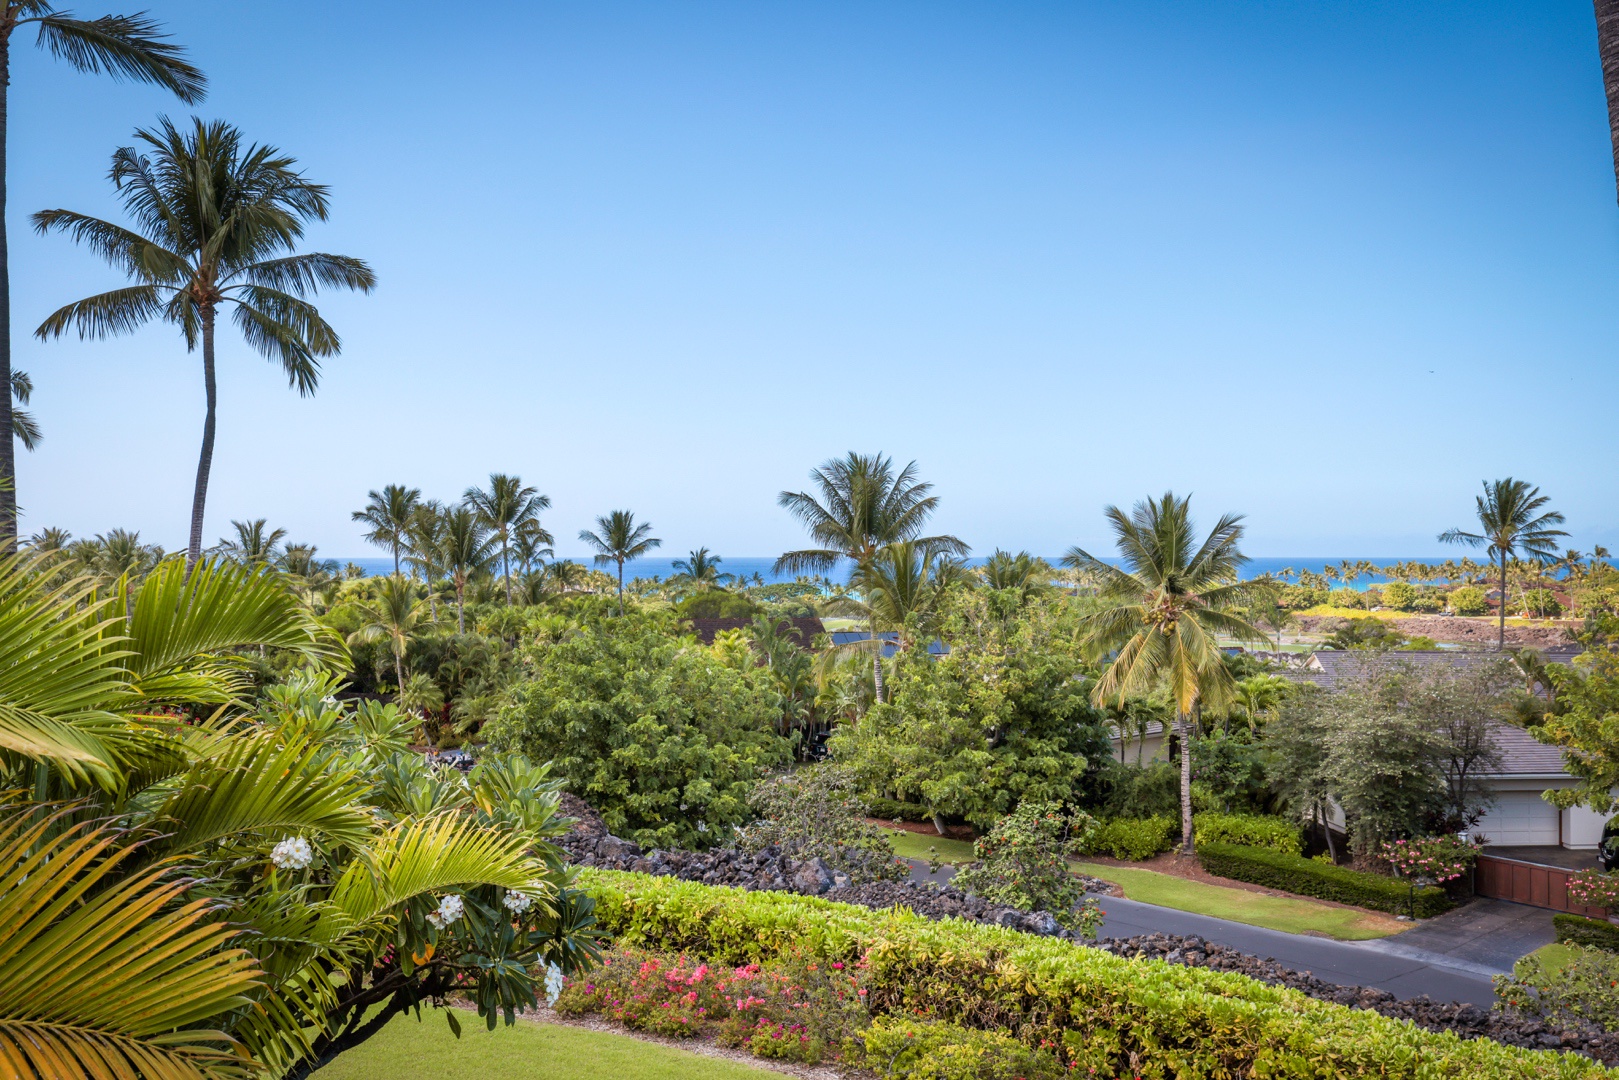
[[1326, 264]]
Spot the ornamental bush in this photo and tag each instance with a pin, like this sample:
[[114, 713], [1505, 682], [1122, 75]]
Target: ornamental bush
[[1578, 930], [1468, 600], [903, 1046], [1594, 888], [1023, 863], [1435, 859], [1399, 595], [1581, 990], [1133, 838], [1098, 1014], [1306, 877], [817, 813], [1250, 830]]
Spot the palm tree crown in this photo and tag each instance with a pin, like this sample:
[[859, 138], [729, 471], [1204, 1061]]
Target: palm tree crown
[[862, 505], [466, 549], [216, 221], [125, 47], [619, 539], [1510, 517], [255, 543], [700, 570], [1163, 610], [389, 513], [506, 508]]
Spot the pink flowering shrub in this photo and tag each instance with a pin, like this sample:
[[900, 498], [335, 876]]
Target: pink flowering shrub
[[1594, 889], [791, 1009], [1436, 858]]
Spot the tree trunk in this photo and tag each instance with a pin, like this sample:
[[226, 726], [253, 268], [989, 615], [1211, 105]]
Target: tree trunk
[[199, 497], [460, 609], [876, 660], [1501, 640], [396, 560], [506, 567], [938, 822], [8, 448], [1183, 727], [1607, 12], [621, 586]]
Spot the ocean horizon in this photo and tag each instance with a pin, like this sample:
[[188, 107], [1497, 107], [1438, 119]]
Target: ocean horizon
[[763, 565]]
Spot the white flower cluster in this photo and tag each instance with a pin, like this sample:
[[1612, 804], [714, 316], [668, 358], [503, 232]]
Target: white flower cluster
[[517, 902], [294, 854], [450, 908], [553, 984]]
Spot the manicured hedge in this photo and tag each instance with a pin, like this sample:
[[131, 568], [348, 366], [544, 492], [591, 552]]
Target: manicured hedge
[[1250, 830], [1578, 930], [1133, 838], [890, 810], [1306, 877], [1104, 1015]]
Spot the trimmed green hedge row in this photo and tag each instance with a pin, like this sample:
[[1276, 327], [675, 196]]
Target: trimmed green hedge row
[[1578, 930], [1249, 830], [1104, 1015], [1306, 877], [1133, 838]]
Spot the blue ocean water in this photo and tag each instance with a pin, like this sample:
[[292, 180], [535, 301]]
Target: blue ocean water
[[749, 565]]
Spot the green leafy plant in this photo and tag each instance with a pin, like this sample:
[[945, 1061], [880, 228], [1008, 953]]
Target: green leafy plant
[[1132, 838], [1594, 888], [1434, 859], [818, 813], [900, 1046], [1579, 930], [1583, 989], [1306, 877], [1468, 600], [1023, 863], [1249, 830]]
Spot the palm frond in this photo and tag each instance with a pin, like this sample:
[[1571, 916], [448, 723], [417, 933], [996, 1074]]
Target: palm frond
[[129, 251], [106, 314], [124, 46], [434, 854], [307, 273]]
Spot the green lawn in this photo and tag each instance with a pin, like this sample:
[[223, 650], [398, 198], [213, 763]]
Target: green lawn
[[910, 845], [429, 1051], [1552, 956], [1293, 915]]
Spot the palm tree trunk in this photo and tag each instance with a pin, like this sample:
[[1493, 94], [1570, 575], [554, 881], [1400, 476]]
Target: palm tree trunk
[[1183, 728], [199, 497], [396, 560], [399, 671], [1607, 12], [8, 449], [506, 567], [460, 609], [1501, 640], [876, 660], [621, 586]]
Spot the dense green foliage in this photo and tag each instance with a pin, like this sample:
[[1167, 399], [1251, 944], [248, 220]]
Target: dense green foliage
[[817, 813], [1593, 933], [1248, 830], [1133, 838], [1582, 989], [1093, 1010], [1023, 863], [1307, 877], [647, 727], [1468, 600], [1582, 717]]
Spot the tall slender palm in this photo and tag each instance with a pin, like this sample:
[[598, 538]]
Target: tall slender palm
[[255, 543], [424, 548], [393, 617], [216, 221], [700, 570], [389, 513], [505, 507], [1162, 613], [532, 545], [862, 506], [619, 540], [467, 549], [1510, 518], [123, 46]]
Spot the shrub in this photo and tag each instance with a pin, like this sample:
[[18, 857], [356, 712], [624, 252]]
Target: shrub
[[716, 604], [1580, 991], [894, 810], [1594, 888], [1299, 597], [1133, 838], [1436, 859], [1468, 600], [1542, 604], [1593, 933], [1428, 604], [1306, 877], [1346, 598], [899, 1046], [816, 813], [1399, 595], [1023, 863], [1099, 1014], [1249, 830], [1141, 790]]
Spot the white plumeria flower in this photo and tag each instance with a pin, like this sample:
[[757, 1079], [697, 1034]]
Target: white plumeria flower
[[293, 854], [450, 908], [517, 902], [553, 984]]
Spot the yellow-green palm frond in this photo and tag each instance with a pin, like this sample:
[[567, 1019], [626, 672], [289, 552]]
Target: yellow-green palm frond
[[58, 673], [103, 976], [183, 627], [257, 787], [422, 856]]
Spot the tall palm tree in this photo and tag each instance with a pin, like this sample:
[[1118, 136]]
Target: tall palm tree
[[424, 548], [1607, 13], [619, 540], [862, 506], [532, 545], [467, 549], [389, 513], [314, 579], [123, 46], [1510, 518], [216, 222], [700, 570], [393, 617], [506, 507], [1162, 613], [255, 543]]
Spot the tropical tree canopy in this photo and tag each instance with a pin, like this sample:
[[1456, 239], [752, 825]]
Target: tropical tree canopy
[[1512, 517]]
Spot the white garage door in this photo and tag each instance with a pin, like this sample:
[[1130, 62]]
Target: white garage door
[[1520, 817]]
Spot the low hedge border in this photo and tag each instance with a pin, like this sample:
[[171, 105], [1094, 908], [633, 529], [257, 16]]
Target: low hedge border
[[1106, 1016], [1306, 877], [1578, 930]]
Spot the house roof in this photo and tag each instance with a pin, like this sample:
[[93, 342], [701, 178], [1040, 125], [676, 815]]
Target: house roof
[[806, 628], [1521, 753]]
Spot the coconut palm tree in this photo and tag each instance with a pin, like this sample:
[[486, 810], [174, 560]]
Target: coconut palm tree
[[506, 507], [1607, 13], [255, 543], [424, 548], [393, 617], [699, 570], [1162, 613], [314, 579], [466, 549], [123, 46], [532, 545], [619, 539], [216, 222], [1511, 517], [389, 513]]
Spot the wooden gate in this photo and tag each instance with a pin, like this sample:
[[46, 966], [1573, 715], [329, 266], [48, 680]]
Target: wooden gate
[[1529, 883]]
